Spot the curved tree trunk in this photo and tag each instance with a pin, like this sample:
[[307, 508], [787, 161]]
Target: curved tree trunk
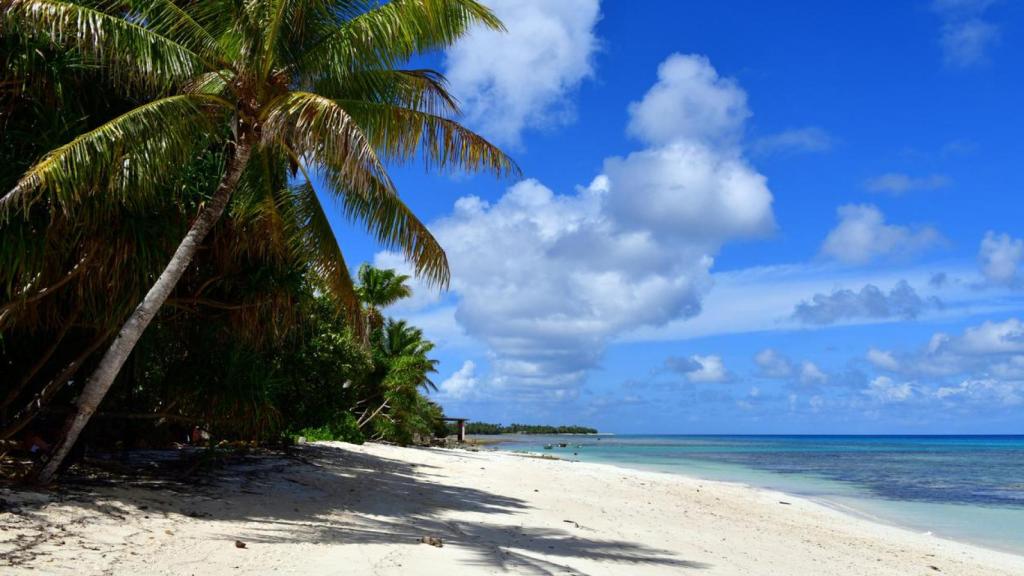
[[114, 358]]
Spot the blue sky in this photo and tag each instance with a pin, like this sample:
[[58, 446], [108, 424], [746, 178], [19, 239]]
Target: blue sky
[[735, 217]]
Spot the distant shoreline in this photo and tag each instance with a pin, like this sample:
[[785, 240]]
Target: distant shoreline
[[544, 434]]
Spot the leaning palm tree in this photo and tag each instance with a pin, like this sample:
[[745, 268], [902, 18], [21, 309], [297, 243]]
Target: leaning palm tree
[[316, 85], [402, 368], [406, 341], [379, 288]]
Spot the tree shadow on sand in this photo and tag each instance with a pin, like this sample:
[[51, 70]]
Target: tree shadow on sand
[[328, 495]]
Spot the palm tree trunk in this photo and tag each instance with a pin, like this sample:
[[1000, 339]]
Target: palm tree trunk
[[114, 358]]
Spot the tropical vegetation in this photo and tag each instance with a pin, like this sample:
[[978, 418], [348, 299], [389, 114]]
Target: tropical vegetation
[[166, 256], [483, 428]]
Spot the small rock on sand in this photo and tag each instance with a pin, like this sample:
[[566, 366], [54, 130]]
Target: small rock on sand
[[433, 541]]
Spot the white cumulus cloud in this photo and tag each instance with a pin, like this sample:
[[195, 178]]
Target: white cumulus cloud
[[811, 374], [708, 370], [870, 302], [690, 101], [862, 235], [984, 391], [993, 338], [989, 348], [999, 256], [546, 280], [885, 389], [883, 359], [689, 190], [509, 81], [462, 383], [772, 364]]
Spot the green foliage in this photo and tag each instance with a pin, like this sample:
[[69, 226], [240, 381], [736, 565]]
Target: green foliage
[[192, 78], [323, 363], [342, 429], [402, 368], [118, 120], [410, 416]]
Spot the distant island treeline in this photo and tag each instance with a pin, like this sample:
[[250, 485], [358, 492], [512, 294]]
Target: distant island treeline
[[483, 428]]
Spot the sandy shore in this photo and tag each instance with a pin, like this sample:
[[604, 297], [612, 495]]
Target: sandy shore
[[343, 509]]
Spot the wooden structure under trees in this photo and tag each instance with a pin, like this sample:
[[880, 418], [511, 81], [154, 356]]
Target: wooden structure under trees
[[461, 422]]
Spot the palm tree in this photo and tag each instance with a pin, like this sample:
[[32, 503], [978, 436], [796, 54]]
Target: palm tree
[[316, 85], [379, 288], [402, 368], [406, 341]]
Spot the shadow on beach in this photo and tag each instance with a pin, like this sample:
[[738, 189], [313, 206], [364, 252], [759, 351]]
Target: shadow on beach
[[327, 495]]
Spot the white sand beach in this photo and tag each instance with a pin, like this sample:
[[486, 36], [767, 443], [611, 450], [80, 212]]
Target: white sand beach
[[343, 509]]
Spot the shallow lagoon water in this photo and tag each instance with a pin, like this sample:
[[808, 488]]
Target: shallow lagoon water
[[964, 487]]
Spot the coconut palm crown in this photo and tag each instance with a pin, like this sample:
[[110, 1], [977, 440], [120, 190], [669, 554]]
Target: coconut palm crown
[[379, 288], [317, 86]]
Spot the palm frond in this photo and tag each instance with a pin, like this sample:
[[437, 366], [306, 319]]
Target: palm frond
[[213, 83], [394, 226], [423, 90], [319, 246], [173, 22], [225, 20], [391, 33], [128, 154], [320, 131], [400, 133], [316, 127], [125, 48], [279, 14]]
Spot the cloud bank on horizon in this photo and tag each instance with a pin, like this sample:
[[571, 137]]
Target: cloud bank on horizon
[[551, 285]]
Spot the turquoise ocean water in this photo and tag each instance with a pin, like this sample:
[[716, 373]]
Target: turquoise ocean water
[[963, 487]]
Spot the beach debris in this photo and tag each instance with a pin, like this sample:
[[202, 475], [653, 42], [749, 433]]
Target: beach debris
[[784, 502], [936, 568], [433, 541], [239, 544], [573, 522]]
